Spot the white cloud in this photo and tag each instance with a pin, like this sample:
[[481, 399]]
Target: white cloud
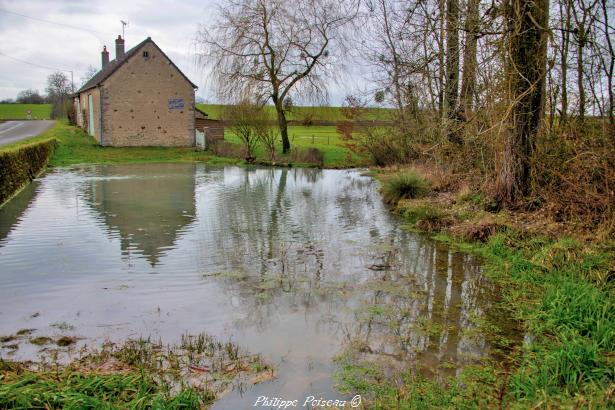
[[171, 24]]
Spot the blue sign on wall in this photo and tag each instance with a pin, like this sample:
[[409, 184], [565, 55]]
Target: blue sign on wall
[[176, 103]]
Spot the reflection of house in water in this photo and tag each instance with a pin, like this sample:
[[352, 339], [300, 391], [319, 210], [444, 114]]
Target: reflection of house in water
[[147, 205]]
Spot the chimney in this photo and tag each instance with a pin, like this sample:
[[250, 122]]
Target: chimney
[[105, 57], [119, 47]]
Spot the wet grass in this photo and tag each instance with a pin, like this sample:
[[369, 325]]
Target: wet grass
[[135, 389], [137, 374]]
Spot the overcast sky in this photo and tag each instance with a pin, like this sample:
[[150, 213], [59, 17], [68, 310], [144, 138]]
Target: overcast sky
[[171, 24]]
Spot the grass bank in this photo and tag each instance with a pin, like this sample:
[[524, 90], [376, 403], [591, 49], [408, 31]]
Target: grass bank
[[74, 146], [557, 285]]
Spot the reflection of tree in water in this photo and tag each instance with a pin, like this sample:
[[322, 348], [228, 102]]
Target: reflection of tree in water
[[149, 208], [420, 313], [282, 228], [323, 249]]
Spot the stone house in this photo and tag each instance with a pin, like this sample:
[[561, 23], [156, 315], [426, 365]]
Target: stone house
[[139, 99]]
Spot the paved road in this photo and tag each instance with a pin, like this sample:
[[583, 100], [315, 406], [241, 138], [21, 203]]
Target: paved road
[[13, 131]]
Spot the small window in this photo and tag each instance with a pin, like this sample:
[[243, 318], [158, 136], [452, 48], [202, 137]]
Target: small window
[[146, 54]]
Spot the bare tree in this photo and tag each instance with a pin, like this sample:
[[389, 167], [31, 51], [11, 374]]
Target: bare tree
[[270, 49], [452, 57], [89, 73], [58, 89], [608, 57], [526, 62], [268, 137], [468, 84], [401, 43], [581, 15], [30, 96], [241, 119], [565, 14]]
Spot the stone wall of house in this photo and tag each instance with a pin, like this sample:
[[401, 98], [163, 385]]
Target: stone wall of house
[[148, 102], [83, 117]]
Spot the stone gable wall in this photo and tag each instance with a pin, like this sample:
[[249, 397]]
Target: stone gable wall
[[136, 103]]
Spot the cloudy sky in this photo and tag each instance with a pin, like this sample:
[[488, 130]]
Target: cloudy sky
[[70, 34]]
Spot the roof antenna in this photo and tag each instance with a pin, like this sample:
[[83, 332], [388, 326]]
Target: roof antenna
[[124, 25]]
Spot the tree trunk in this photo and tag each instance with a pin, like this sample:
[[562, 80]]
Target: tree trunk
[[452, 69], [566, 28], [283, 124], [580, 47], [526, 72], [611, 65], [441, 64], [452, 56], [468, 83]]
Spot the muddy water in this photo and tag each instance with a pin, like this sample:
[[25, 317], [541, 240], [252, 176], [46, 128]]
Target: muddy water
[[295, 264]]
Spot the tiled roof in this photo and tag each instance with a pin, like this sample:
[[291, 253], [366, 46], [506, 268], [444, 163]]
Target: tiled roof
[[113, 65]]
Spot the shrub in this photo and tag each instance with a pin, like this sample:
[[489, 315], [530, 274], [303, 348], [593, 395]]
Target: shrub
[[480, 231], [402, 186], [226, 149], [22, 164], [573, 174], [386, 146], [307, 156]]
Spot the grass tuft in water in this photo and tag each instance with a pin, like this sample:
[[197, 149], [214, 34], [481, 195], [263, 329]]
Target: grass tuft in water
[[41, 340], [407, 185]]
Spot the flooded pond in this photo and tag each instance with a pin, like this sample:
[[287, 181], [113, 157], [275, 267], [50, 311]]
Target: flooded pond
[[296, 264]]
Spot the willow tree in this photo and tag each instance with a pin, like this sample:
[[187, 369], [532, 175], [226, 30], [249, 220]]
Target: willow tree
[[526, 64], [271, 49]]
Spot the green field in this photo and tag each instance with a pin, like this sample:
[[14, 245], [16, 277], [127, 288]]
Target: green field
[[215, 111], [324, 138], [19, 111]]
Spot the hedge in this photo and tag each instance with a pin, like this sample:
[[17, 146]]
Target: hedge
[[21, 164]]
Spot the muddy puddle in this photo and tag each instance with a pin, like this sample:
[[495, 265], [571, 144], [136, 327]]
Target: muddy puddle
[[298, 265]]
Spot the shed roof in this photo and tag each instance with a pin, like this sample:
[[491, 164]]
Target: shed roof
[[201, 111], [113, 66]]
